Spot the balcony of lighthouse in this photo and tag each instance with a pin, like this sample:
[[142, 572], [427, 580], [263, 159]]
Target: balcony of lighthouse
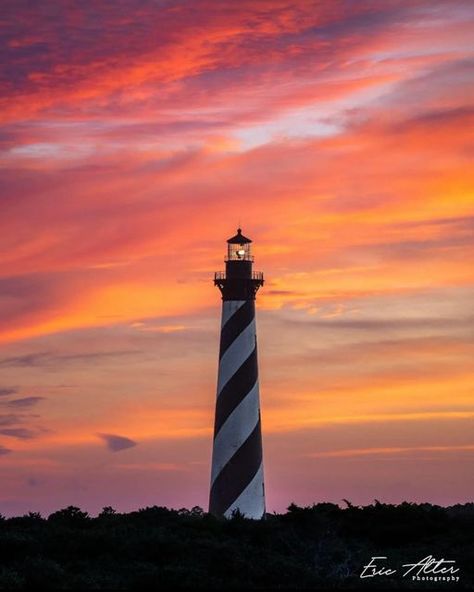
[[221, 275]]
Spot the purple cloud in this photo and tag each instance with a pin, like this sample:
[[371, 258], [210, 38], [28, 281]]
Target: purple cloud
[[4, 392], [116, 443], [19, 433], [25, 402]]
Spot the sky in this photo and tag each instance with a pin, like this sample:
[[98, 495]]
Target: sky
[[136, 135]]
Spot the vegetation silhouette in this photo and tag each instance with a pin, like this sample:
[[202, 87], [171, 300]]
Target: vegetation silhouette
[[318, 547]]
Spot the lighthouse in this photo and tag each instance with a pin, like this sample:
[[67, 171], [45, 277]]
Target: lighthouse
[[237, 459]]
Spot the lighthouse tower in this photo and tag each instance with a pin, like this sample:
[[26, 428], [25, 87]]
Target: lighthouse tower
[[237, 461]]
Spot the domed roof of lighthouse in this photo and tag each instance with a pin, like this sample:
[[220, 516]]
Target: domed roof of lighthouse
[[238, 239]]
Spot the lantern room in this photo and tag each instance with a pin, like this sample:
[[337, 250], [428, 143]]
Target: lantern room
[[238, 281], [238, 247]]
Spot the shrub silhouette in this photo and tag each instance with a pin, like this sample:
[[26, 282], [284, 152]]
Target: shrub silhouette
[[319, 546]]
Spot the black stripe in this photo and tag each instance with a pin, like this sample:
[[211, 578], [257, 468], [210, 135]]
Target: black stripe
[[236, 389], [237, 473], [235, 325]]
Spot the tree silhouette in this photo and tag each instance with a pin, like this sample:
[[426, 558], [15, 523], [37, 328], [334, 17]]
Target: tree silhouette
[[319, 546]]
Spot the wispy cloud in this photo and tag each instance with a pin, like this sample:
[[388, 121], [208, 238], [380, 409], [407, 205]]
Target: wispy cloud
[[5, 392], [391, 451], [4, 450], [25, 402], [20, 433], [50, 358]]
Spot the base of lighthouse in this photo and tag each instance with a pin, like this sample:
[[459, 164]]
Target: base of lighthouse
[[237, 482]]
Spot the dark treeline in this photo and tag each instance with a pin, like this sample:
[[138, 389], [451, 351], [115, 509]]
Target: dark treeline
[[322, 546]]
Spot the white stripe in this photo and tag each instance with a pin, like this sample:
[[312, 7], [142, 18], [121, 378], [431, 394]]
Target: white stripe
[[236, 429], [235, 355], [229, 308], [251, 501]]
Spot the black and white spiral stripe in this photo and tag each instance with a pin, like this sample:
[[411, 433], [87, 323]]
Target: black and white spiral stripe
[[237, 464]]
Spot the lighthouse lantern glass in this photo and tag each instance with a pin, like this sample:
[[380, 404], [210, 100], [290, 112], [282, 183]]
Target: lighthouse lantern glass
[[239, 252]]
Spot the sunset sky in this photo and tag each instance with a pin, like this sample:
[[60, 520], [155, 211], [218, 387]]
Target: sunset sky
[[136, 136]]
